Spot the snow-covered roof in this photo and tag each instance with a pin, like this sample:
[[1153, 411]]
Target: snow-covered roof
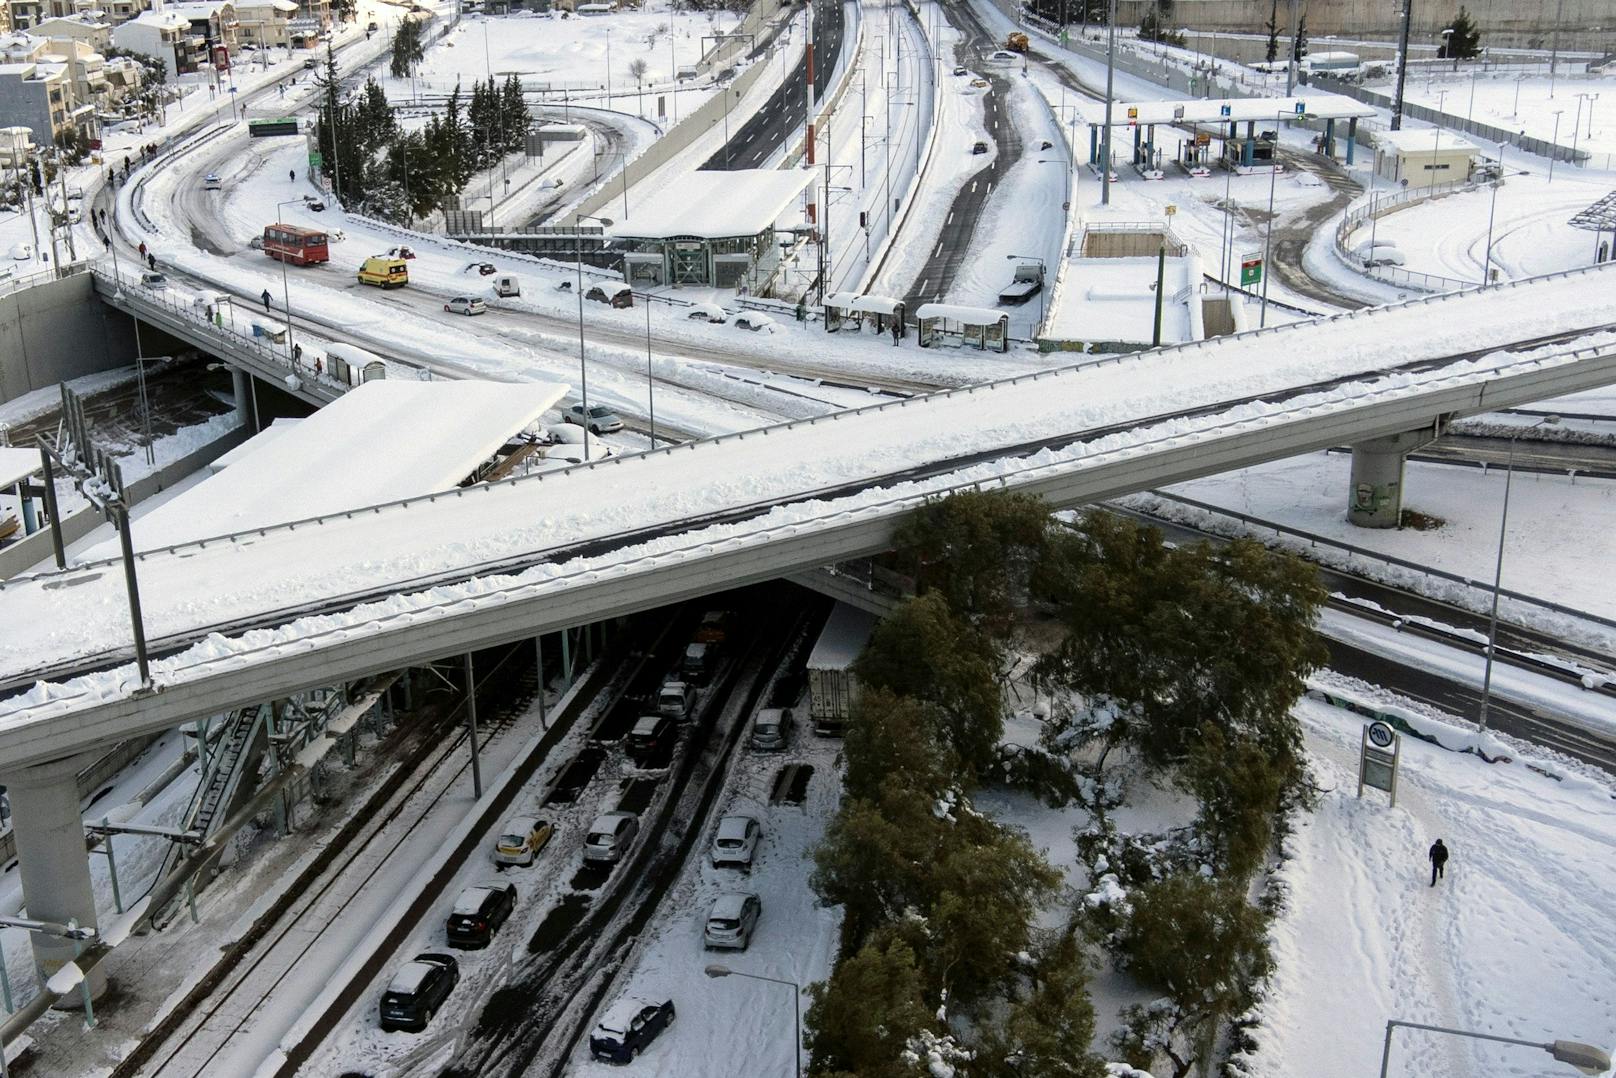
[[1325, 106], [844, 300], [521, 825], [1424, 140], [711, 205], [280, 426], [845, 635], [381, 441], [410, 977], [975, 316], [17, 464], [646, 725], [877, 305], [733, 826], [162, 20], [278, 5], [471, 899], [729, 906], [199, 9]]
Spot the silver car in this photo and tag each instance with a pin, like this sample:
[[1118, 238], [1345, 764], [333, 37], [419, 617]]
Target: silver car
[[771, 730], [736, 842], [731, 921], [610, 836], [601, 420]]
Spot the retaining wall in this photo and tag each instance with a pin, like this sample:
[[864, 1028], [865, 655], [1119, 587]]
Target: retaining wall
[[54, 330]]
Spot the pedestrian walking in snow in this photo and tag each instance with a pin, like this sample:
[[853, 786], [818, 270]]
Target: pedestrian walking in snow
[[1439, 858], [142, 249], [151, 262], [266, 301]]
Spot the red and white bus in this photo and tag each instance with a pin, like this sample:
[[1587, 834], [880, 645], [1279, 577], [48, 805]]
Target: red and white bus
[[299, 246]]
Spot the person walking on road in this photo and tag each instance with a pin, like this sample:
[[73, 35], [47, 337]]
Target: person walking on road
[[1439, 858], [266, 301]]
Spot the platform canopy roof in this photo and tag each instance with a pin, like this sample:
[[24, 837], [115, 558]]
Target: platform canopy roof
[[1211, 110], [17, 464], [715, 204], [382, 441]]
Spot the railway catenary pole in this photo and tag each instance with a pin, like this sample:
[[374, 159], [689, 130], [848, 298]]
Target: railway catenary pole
[[471, 724]]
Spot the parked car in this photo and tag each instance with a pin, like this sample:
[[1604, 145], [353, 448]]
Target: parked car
[[478, 912], [315, 204], [487, 269], [256, 243], [979, 146], [564, 285], [1002, 54], [417, 990], [401, 251], [715, 627], [960, 70], [610, 836], [521, 839], [735, 842], [310, 63], [708, 312], [22, 252], [619, 294], [601, 420], [1381, 255], [676, 700], [467, 305], [650, 735], [731, 921], [577, 774], [979, 84], [696, 665], [771, 729], [627, 1027], [754, 321]]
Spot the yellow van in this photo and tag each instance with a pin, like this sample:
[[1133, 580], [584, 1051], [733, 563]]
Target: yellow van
[[385, 272]]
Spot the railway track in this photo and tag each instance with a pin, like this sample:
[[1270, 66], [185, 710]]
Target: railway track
[[203, 1041]]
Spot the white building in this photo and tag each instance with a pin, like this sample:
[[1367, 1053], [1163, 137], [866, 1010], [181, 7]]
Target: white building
[[1423, 157], [265, 23], [166, 36]]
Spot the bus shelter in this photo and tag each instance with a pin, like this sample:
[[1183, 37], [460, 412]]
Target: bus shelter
[[883, 313], [980, 326]]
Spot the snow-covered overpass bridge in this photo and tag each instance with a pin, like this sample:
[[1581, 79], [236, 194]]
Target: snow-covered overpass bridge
[[255, 616]]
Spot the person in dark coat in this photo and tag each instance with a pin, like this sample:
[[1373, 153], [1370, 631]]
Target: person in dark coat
[[266, 300], [1439, 858]]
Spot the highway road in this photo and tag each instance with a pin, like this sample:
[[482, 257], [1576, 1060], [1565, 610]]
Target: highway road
[[783, 114], [959, 228]]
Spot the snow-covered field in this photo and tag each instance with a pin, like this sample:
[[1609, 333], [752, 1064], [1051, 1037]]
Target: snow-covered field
[[1503, 99]]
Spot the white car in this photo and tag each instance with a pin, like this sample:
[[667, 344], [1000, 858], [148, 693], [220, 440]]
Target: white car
[[736, 842], [212, 182], [610, 836], [153, 279], [757, 323], [708, 312], [731, 921], [22, 252], [467, 305]]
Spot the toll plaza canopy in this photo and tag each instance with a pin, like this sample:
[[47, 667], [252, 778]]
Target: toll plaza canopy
[[382, 441], [1211, 110]]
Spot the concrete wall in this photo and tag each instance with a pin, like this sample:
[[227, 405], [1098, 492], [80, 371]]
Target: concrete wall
[[57, 330], [1502, 22]]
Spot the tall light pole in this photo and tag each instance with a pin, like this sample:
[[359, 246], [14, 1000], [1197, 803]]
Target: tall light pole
[[1576, 126], [1584, 1057], [583, 369], [1498, 576], [286, 289], [1441, 100], [1268, 238], [1110, 85], [1492, 208], [716, 970], [1554, 144], [650, 375]]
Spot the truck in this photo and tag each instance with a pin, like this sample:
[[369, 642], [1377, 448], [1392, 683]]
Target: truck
[[1016, 42], [1027, 283], [832, 687]]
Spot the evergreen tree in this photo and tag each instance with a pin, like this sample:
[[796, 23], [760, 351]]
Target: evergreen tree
[[1299, 45], [1050, 1032], [1464, 43], [1273, 31], [862, 1018], [514, 117], [978, 550], [408, 49]]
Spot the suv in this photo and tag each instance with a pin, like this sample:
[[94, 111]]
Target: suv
[[736, 842], [676, 699], [478, 913], [520, 841], [417, 990], [628, 1027], [731, 921], [771, 730], [610, 836], [651, 734], [696, 664], [601, 420]]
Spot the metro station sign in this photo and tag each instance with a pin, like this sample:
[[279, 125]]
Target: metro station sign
[[1251, 270]]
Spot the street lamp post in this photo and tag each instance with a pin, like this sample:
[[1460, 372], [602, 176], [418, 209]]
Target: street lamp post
[[286, 288], [796, 1006], [583, 370], [1492, 208], [1554, 144], [1268, 237], [1584, 1057], [1498, 569]]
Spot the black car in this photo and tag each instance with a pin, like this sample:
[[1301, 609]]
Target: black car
[[651, 735], [628, 1027], [417, 990], [576, 775], [478, 913]]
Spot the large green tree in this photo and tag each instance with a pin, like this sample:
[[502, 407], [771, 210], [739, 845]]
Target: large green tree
[[861, 1020], [978, 551], [1048, 1033]]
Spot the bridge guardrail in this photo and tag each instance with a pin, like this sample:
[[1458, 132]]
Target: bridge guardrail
[[1373, 205]]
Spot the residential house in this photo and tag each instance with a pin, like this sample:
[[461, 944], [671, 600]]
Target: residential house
[[265, 23], [94, 30], [214, 20], [36, 90], [167, 36]]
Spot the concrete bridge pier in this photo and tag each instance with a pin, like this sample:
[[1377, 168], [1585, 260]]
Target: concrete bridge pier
[[241, 383], [1375, 491], [54, 864]]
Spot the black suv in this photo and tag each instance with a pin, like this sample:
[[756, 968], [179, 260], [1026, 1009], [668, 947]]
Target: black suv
[[628, 1027], [650, 736], [478, 913], [417, 990]]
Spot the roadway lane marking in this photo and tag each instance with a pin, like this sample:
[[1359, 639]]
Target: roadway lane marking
[[951, 214], [939, 249]]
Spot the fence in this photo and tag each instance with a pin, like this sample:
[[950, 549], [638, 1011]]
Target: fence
[[1375, 205]]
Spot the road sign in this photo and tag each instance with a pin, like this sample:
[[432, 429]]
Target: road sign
[[1133, 112], [1171, 209], [1225, 111], [1202, 138], [316, 159], [1378, 758], [1178, 112], [1301, 107], [1251, 270]]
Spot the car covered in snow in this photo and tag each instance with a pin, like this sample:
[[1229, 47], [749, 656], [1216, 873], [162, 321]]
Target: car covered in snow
[[22, 252], [754, 321], [651, 735], [771, 729], [610, 836], [708, 312], [628, 1027], [212, 182], [521, 839], [417, 990], [612, 293], [153, 279], [731, 922], [478, 912], [735, 842], [1383, 253], [676, 699]]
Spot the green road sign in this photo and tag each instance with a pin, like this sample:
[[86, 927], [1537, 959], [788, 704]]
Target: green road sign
[[315, 160], [1251, 271]]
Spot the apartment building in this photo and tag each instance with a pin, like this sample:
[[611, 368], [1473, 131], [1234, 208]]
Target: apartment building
[[166, 35], [265, 23]]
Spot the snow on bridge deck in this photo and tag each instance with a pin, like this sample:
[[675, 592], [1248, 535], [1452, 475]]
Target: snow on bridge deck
[[379, 442], [410, 549]]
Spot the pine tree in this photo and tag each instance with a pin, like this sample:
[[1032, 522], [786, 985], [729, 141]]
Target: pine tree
[[1050, 1031], [863, 1017], [1299, 46], [407, 49], [1464, 43], [1273, 31], [514, 118]]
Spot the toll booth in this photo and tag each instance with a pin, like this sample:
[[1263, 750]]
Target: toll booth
[[980, 327]]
